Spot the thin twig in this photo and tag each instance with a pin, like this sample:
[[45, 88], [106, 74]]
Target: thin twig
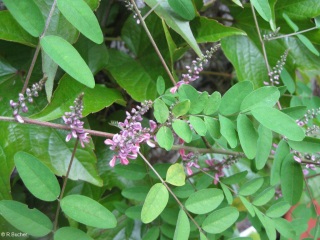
[[64, 185], [292, 34], [153, 42], [173, 195]]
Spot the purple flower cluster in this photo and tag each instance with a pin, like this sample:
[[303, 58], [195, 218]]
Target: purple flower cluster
[[72, 119], [190, 159], [274, 75], [21, 104], [132, 134], [195, 69]]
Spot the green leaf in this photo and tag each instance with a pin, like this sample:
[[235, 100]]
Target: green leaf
[[11, 31], [288, 80], [204, 201], [228, 131], [213, 127], [278, 209], [165, 138], [163, 10], [203, 237], [182, 129], [264, 197], [183, 227], [132, 171], [137, 193], [262, 97], [5, 175], [284, 227], [71, 234], [152, 234], [155, 202], [181, 108], [161, 111], [306, 42], [27, 15], [184, 8], [263, 8], [68, 89], [220, 220], [37, 177], [264, 145], [295, 112], [134, 212], [278, 122], [267, 224], [212, 104], [232, 99], [210, 30], [238, 3], [65, 55], [247, 205], [227, 193], [251, 186], [291, 180], [235, 178], [30, 221], [247, 135], [199, 125], [307, 145], [88, 211], [79, 14], [184, 191], [197, 100], [281, 152], [161, 85], [293, 26], [176, 175]]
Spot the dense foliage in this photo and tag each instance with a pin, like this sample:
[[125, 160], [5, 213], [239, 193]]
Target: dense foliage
[[107, 132]]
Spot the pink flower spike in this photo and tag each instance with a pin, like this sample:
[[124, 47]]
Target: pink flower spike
[[112, 162], [108, 142], [189, 171], [297, 159]]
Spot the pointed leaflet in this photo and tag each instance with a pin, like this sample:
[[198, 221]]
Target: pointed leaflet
[[291, 180], [281, 152], [264, 197], [70, 233], [248, 205], [263, 8], [232, 99], [165, 138], [181, 27], [247, 135], [155, 202], [182, 227], [228, 131], [267, 224], [264, 145], [176, 175], [67, 57], [88, 211], [251, 186], [161, 111], [204, 201], [182, 129], [220, 220], [285, 228], [37, 177], [27, 15], [79, 14], [278, 209], [308, 145], [184, 8], [278, 122], [288, 80], [227, 193], [30, 221]]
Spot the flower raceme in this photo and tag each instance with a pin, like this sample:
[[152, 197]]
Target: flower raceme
[[132, 134]]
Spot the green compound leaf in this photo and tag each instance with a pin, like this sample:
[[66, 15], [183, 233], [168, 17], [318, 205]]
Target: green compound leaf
[[291, 180], [264, 145], [199, 125], [67, 57], [278, 209], [183, 227], [204, 201], [30, 221], [247, 205], [282, 151], [88, 211], [184, 8], [182, 129], [181, 108], [247, 135], [232, 99], [308, 145], [165, 138], [161, 111], [228, 131], [262, 97], [37, 177], [278, 122], [176, 175], [70, 233], [155, 202], [220, 220], [264, 197], [27, 14], [251, 186], [80, 15], [212, 104]]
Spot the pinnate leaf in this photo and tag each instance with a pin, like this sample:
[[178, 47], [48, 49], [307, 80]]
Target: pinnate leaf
[[155, 202]]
